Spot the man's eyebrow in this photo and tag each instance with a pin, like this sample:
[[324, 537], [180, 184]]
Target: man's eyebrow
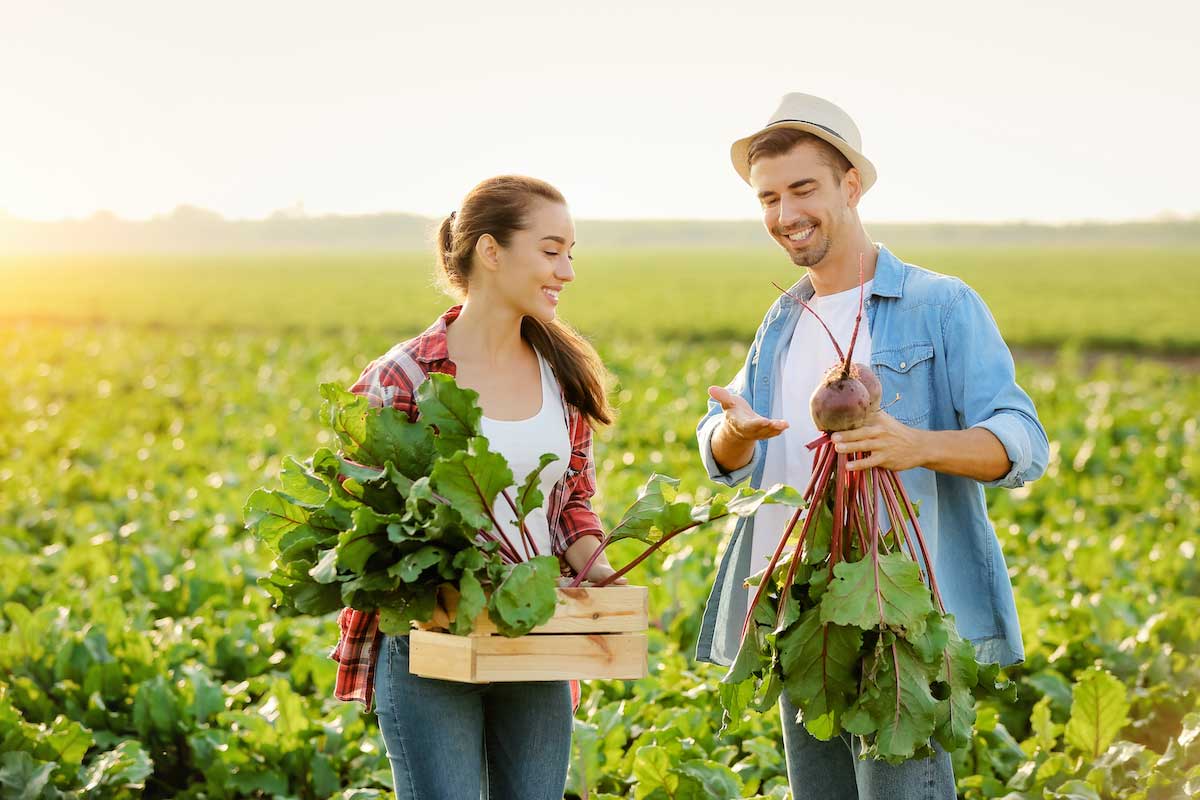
[[794, 185]]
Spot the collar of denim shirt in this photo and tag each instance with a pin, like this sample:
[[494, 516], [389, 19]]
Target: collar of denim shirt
[[889, 280]]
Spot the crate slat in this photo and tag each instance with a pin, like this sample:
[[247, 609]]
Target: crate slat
[[548, 657], [441, 655], [612, 609], [595, 633]]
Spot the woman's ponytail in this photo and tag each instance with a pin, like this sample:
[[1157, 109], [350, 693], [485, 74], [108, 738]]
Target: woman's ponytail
[[576, 364], [450, 275]]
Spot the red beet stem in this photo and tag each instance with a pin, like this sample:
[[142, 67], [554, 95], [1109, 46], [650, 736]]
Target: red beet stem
[[818, 496], [821, 460], [506, 551], [899, 523], [499, 530], [813, 509], [912, 513], [858, 506], [839, 512], [817, 442], [857, 321], [771, 569], [873, 494], [526, 536], [648, 551], [607, 540], [790, 578], [591, 562], [837, 348], [878, 593]]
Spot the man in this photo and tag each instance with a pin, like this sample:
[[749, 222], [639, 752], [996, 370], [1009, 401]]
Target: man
[[954, 419]]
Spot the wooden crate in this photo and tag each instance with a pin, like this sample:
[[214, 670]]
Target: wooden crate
[[594, 633]]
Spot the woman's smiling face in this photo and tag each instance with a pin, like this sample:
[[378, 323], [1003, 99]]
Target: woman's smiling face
[[536, 265]]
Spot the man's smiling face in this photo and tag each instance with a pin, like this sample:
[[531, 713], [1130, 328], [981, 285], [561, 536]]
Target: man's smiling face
[[806, 205]]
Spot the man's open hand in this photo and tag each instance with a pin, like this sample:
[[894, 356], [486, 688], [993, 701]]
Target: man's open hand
[[741, 420]]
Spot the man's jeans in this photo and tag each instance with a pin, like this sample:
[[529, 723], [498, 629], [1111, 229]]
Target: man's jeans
[[463, 741], [832, 770]]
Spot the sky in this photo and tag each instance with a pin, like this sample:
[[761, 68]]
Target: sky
[[1040, 111]]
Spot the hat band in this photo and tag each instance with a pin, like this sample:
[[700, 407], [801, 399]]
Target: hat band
[[814, 124]]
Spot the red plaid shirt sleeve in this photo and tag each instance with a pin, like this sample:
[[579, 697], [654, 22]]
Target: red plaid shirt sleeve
[[576, 519]]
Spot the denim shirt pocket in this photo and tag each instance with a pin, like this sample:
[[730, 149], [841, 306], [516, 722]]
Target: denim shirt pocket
[[906, 374]]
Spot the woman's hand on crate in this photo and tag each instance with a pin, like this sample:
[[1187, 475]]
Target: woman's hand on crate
[[601, 571], [580, 553], [443, 612]]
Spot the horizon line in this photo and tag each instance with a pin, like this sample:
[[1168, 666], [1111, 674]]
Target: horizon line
[[292, 214]]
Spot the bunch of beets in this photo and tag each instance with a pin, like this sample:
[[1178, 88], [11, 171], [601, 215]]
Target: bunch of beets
[[845, 618]]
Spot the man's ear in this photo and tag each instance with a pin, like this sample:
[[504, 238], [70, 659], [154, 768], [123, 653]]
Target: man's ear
[[852, 187], [488, 250]]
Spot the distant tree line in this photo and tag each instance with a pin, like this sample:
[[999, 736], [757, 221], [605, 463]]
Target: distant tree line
[[188, 228]]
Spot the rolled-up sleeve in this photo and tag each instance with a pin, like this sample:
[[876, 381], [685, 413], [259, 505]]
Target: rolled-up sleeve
[[704, 433], [985, 390], [1011, 430]]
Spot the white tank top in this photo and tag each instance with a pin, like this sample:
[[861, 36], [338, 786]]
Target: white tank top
[[522, 443]]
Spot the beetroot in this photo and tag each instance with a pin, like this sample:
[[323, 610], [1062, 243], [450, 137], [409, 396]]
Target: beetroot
[[867, 378], [841, 402]]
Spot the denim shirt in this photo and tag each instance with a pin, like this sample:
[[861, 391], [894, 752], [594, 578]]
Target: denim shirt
[[935, 347]]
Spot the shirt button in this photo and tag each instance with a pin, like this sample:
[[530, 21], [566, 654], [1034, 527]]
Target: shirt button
[[903, 365]]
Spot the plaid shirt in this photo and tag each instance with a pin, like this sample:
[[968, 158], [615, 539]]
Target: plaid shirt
[[393, 380]]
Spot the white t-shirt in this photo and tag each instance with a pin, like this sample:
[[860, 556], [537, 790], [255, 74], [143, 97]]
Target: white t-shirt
[[522, 442], [809, 354]]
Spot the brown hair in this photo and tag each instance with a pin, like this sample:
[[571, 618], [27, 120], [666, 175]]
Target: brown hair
[[500, 206], [777, 141]]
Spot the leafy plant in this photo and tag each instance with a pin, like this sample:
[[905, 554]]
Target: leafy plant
[[403, 511]]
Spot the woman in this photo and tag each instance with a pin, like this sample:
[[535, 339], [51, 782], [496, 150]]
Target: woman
[[506, 255]]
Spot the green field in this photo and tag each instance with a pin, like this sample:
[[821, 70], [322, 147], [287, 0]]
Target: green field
[[1134, 298], [143, 398]]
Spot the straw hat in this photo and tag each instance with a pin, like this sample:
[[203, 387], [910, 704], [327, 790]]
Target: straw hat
[[804, 112]]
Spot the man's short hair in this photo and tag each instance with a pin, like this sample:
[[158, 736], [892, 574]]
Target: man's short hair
[[778, 141]]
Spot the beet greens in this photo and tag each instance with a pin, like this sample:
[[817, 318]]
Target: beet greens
[[403, 511]]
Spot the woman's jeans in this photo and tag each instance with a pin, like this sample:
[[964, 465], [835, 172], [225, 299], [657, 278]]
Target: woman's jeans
[[463, 741], [832, 770]]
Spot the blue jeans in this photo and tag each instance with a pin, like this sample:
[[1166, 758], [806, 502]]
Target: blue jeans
[[465, 741], [832, 770]]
